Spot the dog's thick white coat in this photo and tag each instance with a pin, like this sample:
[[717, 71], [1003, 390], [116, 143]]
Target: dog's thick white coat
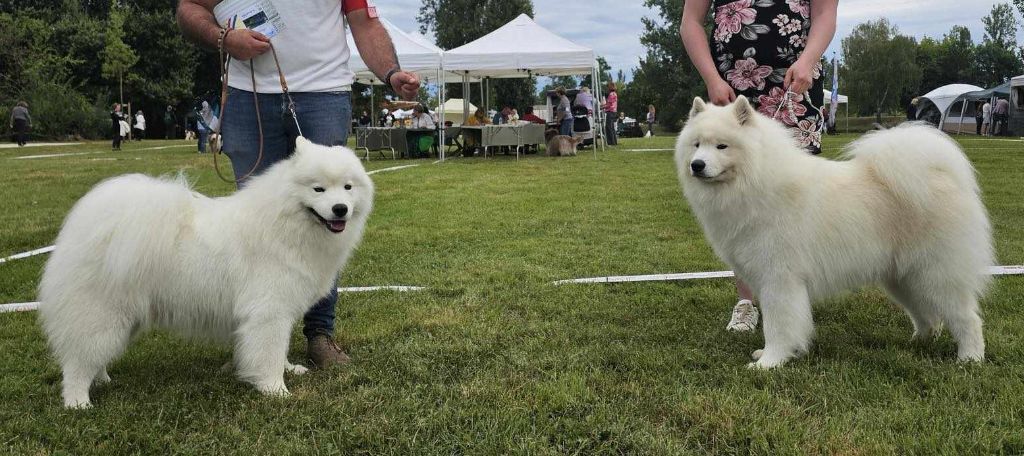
[[138, 252], [904, 210]]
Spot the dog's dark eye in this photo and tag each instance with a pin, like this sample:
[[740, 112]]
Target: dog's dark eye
[[697, 145], [348, 186], [318, 189], [722, 146]]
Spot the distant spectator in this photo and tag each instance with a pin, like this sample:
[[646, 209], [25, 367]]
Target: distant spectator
[[140, 126], [420, 119], [652, 118], [585, 99], [21, 122], [513, 117], [1001, 116], [912, 109], [364, 119], [529, 116], [204, 120], [986, 121], [611, 108], [563, 115], [979, 117], [169, 123], [115, 125], [502, 117]]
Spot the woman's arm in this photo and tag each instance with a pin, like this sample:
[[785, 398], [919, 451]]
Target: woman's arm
[[800, 76], [695, 40]]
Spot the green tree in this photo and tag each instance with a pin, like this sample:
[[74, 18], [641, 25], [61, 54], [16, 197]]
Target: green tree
[[457, 22], [1001, 26], [604, 70], [880, 65], [956, 57], [665, 77], [117, 57], [996, 64]]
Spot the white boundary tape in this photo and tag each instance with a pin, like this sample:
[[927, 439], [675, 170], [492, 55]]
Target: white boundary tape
[[648, 150], [995, 270], [393, 168], [27, 254], [30, 306], [26, 157]]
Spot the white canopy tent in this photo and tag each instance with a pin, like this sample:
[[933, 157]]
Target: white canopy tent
[[453, 106], [520, 49], [944, 96]]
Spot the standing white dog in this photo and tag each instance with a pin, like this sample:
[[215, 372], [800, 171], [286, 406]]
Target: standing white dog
[[904, 211], [138, 252]]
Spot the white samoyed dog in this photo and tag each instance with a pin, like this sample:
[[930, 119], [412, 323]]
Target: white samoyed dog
[[904, 210], [138, 252]]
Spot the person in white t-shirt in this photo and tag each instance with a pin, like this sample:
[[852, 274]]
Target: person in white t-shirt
[[140, 125], [308, 37], [986, 121]]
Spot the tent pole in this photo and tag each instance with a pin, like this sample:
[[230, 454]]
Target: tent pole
[[960, 124], [440, 115], [465, 96]]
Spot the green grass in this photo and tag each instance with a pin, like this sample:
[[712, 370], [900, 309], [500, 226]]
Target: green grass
[[493, 360]]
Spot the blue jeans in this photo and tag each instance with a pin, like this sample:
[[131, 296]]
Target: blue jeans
[[324, 118], [204, 136], [566, 127]]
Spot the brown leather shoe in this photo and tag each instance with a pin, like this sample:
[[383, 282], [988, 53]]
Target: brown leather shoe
[[325, 353]]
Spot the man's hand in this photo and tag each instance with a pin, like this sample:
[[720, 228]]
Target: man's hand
[[405, 84], [799, 77], [244, 44], [720, 92]]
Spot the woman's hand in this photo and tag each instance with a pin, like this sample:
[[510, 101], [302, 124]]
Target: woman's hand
[[244, 44], [720, 92], [799, 77]]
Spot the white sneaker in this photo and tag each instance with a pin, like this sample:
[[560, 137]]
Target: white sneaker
[[744, 317]]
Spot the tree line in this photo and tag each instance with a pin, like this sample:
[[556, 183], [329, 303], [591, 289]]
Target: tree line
[[881, 69]]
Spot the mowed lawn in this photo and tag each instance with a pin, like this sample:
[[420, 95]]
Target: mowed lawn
[[492, 358]]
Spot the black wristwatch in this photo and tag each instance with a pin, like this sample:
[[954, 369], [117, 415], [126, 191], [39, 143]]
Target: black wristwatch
[[390, 73]]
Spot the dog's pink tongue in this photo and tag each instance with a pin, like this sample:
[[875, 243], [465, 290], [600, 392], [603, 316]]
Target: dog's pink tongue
[[337, 225]]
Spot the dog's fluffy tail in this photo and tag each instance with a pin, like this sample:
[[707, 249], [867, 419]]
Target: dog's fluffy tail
[[907, 157], [929, 175]]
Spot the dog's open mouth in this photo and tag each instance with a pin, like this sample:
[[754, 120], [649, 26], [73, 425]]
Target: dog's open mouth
[[334, 226]]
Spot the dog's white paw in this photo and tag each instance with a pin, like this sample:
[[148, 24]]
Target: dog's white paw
[[228, 367], [296, 369], [757, 354], [102, 378], [77, 404], [274, 389], [766, 361]]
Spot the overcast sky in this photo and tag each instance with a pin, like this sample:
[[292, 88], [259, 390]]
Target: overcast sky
[[612, 27]]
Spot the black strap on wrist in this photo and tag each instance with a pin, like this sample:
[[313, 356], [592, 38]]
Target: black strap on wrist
[[390, 73]]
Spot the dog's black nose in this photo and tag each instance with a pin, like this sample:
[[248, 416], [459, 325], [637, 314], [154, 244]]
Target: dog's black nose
[[339, 210], [697, 166]]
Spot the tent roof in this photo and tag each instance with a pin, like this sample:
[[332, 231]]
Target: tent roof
[[517, 49], [999, 90], [842, 98], [1017, 81], [455, 105], [944, 96], [416, 54]]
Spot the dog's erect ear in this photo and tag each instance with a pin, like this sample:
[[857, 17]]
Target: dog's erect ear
[[698, 107], [302, 145], [743, 110]]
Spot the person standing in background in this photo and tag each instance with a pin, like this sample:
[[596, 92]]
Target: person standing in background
[[652, 118], [986, 121], [140, 125], [169, 122], [585, 99], [116, 117], [611, 108], [1001, 117], [563, 116], [769, 51], [21, 122], [979, 117]]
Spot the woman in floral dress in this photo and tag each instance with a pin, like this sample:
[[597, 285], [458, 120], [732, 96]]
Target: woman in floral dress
[[769, 51]]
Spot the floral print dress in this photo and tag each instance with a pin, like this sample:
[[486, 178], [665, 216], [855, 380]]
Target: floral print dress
[[754, 44]]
